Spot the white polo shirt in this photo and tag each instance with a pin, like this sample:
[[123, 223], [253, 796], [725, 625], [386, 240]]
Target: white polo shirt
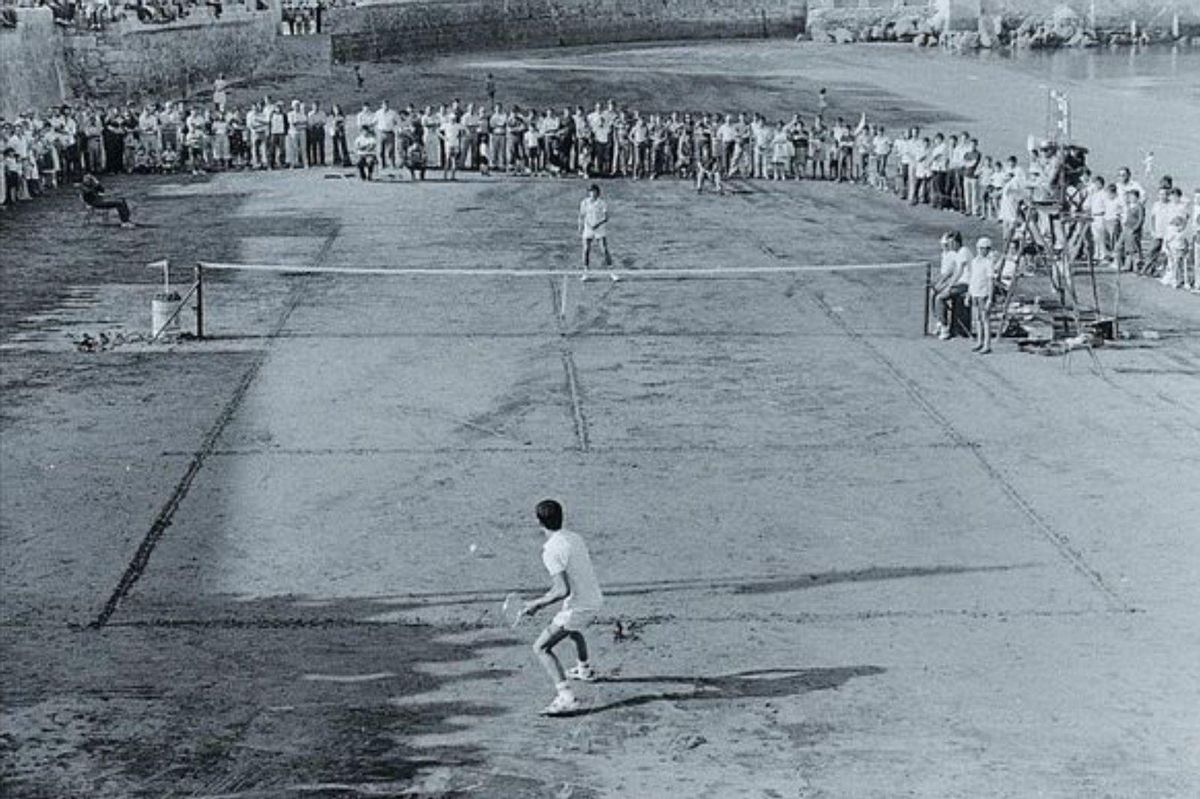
[[566, 552], [594, 214]]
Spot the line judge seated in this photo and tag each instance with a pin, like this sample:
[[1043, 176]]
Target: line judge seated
[[92, 192], [366, 152]]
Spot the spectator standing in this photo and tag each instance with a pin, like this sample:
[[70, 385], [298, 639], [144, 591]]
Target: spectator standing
[[114, 141], [430, 124], [972, 203], [93, 133], [451, 134], [219, 92], [220, 140], [149, 133], [169, 123], [981, 277], [497, 138], [341, 154], [385, 125], [277, 128], [1129, 253], [317, 120], [297, 136], [515, 138], [939, 165]]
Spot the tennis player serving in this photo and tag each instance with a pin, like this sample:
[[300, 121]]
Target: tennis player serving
[[574, 582]]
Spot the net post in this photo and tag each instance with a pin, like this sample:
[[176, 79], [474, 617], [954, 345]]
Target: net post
[[928, 289], [199, 274]]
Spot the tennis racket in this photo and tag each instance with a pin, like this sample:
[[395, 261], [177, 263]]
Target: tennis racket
[[511, 609]]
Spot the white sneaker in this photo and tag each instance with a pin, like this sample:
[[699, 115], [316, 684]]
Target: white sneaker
[[614, 277], [581, 672], [585, 278], [563, 703]]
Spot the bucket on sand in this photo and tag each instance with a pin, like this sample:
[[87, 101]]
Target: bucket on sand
[[163, 318]]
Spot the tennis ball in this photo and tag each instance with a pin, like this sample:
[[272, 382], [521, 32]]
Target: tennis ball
[[472, 547]]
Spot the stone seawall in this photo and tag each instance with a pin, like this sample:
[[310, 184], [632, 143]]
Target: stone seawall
[[398, 29], [169, 60], [32, 73]]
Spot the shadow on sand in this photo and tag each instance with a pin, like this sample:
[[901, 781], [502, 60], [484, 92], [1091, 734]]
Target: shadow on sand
[[758, 684]]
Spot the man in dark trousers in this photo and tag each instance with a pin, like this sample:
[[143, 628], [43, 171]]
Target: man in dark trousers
[[93, 194]]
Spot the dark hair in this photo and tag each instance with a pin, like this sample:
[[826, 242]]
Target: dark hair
[[594, 187], [549, 514]]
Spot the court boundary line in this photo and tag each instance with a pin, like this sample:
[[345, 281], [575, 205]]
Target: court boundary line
[[1001, 615], [1060, 541], [208, 445]]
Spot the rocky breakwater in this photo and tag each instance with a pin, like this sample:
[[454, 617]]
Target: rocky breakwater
[[1022, 25]]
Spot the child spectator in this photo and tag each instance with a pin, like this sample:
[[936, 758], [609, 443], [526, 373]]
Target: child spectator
[[1132, 215], [980, 284]]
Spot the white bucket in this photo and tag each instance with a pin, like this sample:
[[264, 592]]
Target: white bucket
[[161, 308]]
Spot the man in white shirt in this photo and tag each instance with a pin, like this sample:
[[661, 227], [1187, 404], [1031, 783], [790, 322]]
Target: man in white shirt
[[726, 142], [1161, 212], [593, 226], [951, 282], [365, 118], [385, 125], [1125, 182], [881, 148], [1096, 206], [565, 555], [451, 132], [253, 134], [939, 167]]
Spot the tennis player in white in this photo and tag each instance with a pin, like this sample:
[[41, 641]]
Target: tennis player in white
[[593, 226], [574, 582]]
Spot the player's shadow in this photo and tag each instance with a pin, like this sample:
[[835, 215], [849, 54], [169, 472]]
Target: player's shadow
[[757, 684]]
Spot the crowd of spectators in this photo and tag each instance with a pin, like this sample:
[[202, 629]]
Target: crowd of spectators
[[945, 170], [98, 14]]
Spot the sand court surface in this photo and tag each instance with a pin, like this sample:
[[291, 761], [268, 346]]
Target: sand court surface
[[840, 558]]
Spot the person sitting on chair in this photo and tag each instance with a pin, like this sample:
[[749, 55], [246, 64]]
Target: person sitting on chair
[[93, 195], [951, 283]]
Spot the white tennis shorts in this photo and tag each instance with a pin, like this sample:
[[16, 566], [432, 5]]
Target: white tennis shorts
[[573, 618]]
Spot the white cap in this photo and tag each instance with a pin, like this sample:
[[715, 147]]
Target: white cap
[[984, 242]]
